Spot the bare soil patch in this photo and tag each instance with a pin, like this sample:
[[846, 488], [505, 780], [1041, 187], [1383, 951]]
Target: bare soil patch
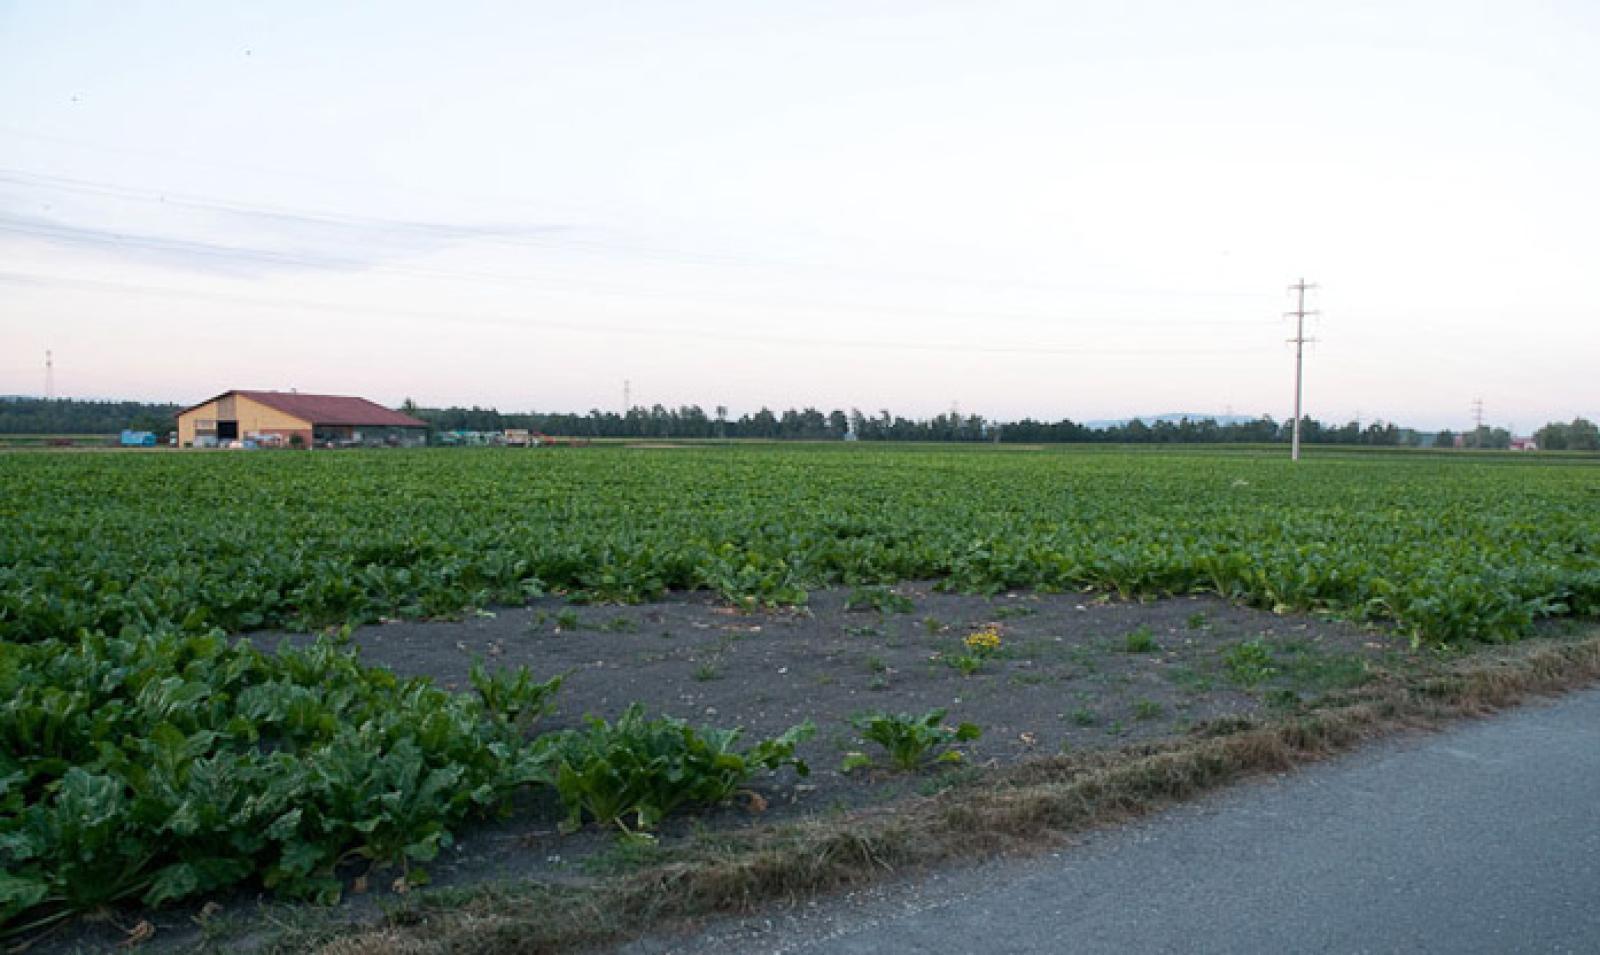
[[1075, 672]]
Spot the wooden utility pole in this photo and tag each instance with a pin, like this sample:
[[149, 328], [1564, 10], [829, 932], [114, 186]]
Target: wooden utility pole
[[1299, 340]]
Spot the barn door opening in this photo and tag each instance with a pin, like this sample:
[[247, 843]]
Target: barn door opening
[[227, 430]]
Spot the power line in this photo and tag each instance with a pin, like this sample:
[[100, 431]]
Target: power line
[[1299, 314]]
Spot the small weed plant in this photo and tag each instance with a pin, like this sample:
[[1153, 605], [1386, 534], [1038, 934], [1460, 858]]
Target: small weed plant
[[1147, 710], [978, 647], [1249, 662], [967, 663], [1142, 640], [1318, 673], [1189, 679], [1283, 699]]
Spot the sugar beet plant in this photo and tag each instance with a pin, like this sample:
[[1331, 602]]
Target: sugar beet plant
[[1446, 550], [911, 742], [632, 773], [154, 767]]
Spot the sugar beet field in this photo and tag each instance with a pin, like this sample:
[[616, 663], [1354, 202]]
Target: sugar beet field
[[149, 755]]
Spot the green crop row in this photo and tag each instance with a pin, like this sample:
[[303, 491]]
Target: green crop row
[[157, 767], [1444, 550]]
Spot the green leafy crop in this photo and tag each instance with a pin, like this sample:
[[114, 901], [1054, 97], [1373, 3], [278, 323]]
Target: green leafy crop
[[1444, 550], [159, 766], [911, 741], [634, 772]]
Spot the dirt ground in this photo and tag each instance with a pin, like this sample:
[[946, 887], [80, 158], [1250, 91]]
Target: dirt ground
[[1066, 676], [1073, 671]]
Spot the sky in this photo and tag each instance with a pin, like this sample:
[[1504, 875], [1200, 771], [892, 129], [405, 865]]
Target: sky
[[1052, 209]]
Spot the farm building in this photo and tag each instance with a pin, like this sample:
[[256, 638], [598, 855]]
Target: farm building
[[292, 419]]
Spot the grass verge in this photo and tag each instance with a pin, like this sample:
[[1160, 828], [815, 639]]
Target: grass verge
[[1023, 808]]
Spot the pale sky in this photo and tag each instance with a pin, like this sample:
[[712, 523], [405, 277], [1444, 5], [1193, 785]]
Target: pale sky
[[1051, 209]]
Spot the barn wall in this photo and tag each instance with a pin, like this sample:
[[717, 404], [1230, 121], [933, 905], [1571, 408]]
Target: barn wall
[[186, 421], [253, 417]]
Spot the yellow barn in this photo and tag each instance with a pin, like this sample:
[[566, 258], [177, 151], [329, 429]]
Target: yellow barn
[[293, 419]]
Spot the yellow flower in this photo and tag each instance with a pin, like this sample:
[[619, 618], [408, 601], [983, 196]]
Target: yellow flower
[[986, 640]]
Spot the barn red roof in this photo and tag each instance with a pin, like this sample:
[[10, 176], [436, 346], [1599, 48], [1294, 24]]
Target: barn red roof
[[326, 409]]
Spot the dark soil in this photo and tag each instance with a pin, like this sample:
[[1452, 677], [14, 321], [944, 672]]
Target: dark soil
[[1063, 678], [1066, 676]]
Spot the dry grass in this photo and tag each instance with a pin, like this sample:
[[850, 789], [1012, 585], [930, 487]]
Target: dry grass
[[1023, 808]]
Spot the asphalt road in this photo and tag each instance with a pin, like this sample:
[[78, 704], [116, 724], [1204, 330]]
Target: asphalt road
[[1483, 838]]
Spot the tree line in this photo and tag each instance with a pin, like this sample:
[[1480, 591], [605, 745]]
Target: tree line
[[1580, 434], [75, 416], [691, 421]]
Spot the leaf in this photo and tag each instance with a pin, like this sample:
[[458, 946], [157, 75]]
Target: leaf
[[173, 882], [286, 827], [18, 893], [301, 858], [854, 761]]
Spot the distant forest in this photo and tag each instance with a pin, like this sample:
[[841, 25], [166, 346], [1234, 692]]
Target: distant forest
[[72, 416], [812, 424]]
